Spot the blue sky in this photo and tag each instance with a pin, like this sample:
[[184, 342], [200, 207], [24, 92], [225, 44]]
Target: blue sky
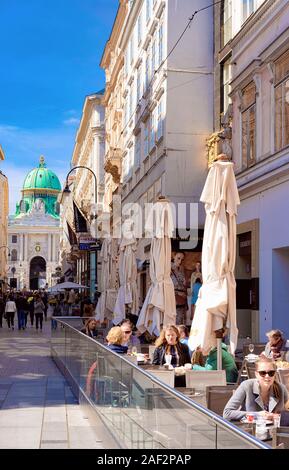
[[50, 52]]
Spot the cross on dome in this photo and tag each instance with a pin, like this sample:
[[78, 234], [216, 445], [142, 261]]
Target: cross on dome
[[42, 161]]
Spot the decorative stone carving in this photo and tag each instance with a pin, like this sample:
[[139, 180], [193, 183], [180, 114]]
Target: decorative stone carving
[[221, 142]]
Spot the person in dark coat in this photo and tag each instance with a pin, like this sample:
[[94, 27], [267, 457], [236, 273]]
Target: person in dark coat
[[90, 328], [169, 343]]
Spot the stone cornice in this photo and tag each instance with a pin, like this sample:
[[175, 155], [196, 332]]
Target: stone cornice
[[115, 33], [270, 171], [2, 157], [252, 23]]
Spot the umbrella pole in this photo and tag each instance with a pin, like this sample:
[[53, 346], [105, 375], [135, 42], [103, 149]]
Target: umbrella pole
[[219, 337]]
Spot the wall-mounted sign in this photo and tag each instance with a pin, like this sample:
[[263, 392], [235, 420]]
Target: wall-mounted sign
[[88, 243]]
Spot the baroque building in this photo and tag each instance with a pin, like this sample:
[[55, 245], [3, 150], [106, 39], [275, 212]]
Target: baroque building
[[252, 73], [3, 225], [33, 231], [77, 250], [159, 108]]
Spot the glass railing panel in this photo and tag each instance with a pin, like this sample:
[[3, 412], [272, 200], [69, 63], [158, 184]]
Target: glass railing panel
[[139, 410], [180, 426], [227, 440]]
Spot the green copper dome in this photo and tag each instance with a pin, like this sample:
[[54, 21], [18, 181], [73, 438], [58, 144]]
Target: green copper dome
[[39, 194], [41, 178]]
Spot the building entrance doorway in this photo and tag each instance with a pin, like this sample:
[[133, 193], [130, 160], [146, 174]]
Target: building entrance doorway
[[37, 277]]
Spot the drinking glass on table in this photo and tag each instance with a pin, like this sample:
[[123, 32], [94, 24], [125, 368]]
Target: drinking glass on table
[[168, 358], [251, 347]]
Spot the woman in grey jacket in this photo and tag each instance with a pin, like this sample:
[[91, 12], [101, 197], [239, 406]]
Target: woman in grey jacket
[[262, 394], [39, 308]]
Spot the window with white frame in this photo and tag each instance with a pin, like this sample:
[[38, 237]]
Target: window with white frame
[[131, 48], [248, 110], [152, 130], [148, 69], [137, 147], [131, 101], [281, 83], [126, 111], [226, 71], [139, 83], [14, 238], [125, 166], [226, 21], [146, 138], [154, 58], [161, 44], [148, 10], [126, 61], [139, 28], [248, 7], [160, 120], [14, 255]]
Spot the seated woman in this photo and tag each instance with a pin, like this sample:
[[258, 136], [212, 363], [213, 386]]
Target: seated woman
[[115, 339], [228, 362], [262, 395], [90, 328], [276, 346], [169, 343]]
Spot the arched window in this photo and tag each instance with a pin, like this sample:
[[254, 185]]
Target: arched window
[[14, 255]]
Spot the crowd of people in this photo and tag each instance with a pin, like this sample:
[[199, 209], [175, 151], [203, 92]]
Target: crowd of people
[[29, 307]]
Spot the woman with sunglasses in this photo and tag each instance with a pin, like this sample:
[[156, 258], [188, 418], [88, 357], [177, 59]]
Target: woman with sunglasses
[[262, 395]]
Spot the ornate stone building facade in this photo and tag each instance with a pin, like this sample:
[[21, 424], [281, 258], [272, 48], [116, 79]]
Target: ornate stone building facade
[[33, 232], [3, 225], [89, 153]]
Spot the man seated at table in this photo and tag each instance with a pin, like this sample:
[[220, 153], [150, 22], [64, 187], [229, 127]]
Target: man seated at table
[[228, 362]]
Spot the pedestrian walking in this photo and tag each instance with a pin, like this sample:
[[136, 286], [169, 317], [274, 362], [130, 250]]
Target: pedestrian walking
[[10, 309], [30, 302], [21, 305], [2, 309], [39, 309]]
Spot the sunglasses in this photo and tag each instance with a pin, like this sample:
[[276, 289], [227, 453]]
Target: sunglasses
[[263, 373], [127, 332]]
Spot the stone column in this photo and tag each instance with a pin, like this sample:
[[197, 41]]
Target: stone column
[[21, 248], [53, 248], [49, 247], [26, 247]]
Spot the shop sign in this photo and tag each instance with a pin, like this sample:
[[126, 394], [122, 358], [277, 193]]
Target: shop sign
[[88, 243]]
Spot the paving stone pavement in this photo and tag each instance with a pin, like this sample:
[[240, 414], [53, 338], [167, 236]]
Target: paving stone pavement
[[37, 407]]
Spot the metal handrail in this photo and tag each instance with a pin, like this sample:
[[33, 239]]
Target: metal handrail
[[176, 394]]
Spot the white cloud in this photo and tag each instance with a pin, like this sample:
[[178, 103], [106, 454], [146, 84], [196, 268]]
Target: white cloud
[[71, 121], [22, 148]]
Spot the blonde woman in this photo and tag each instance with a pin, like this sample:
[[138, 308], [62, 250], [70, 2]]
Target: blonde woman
[[262, 395], [169, 343], [115, 338]]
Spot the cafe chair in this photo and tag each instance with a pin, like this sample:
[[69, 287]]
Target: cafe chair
[[283, 376], [280, 436], [250, 368], [200, 379], [258, 348], [166, 376], [217, 397]]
